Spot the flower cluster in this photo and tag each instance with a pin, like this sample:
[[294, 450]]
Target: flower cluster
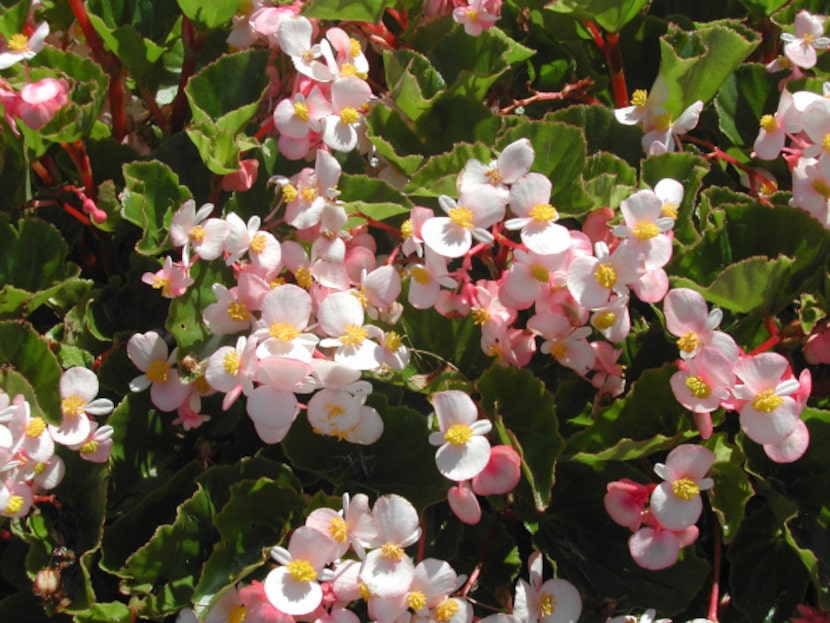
[[29, 464], [714, 373], [674, 506]]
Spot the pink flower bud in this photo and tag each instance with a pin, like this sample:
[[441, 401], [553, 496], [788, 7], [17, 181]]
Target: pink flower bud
[[243, 179], [502, 473], [464, 503], [38, 102]]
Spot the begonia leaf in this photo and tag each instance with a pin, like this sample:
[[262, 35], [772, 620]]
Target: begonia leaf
[[137, 54], [608, 179], [766, 577], [439, 174], [372, 198], [151, 196], [560, 155], [610, 14], [12, 18], [763, 8], [695, 64], [524, 416], [455, 119], [747, 94], [111, 612], [807, 535], [347, 10], [257, 516], [23, 350], [602, 132], [732, 487], [394, 139], [413, 81], [209, 15], [592, 552]]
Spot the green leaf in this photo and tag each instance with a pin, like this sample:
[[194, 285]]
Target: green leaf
[[732, 488], [612, 15], [113, 612], [648, 414], [524, 415], [766, 577], [439, 174], [24, 351], [209, 15], [608, 179], [13, 18], [346, 10], [32, 256], [695, 64], [394, 139], [560, 156], [747, 94], [602, 131], [151, 196], [455, 119], [373, 198], [413, 81], [137, 54], [247, 534]]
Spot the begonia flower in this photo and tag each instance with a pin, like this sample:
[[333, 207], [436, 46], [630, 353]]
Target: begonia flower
[[19, 47], [464, 450], [676, 502], [148, 352]]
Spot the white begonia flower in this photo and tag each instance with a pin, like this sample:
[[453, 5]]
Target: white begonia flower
[[387, 570], [464, 450], [78, 391]]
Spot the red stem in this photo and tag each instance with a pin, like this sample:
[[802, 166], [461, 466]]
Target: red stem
[[613, 56], [714, 596], [578, 90], [77, 152], [192, 44], [157, 112]]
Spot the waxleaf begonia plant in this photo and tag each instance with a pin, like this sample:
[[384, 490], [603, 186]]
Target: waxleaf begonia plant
[[405, 312]]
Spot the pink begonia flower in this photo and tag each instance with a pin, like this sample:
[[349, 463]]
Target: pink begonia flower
[[529, 276], [770, 413], [536, 217], [297, 117], [344, 55], [272, 406], [625, 501], [341, 317], [37, 102], [98, 445], [801, 47], [432, 583], [478, 208], [501, 474], [463, 448], [773, 134], [704, 381], [15, 498], [815, 122], [232, 369], [411, 231], [613, 320], [676, 502], [293, 587], [173, 279], [188, 417], [387, 570], [78, 391], [295, 40], [563, 342], [510, 347], [592, 280], [464, 503], [30, 433], [513, 164], [817, 345], [19, 47], [243, 179], [662, 136], [286, 312], [645, 227], [655, 548], [647, 617], [339, 410], [552, 601], [670, 192], [426, 280], [811, 190], [792, 447], [350, 98], [239, 236], [475, 17], [148, 352], [609, 375], [688, 319], [645, 106], [192, 229]]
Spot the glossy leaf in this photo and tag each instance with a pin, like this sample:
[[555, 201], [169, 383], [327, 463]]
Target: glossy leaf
[[609, 14], [209, 14], [732, 487], [413, 81]]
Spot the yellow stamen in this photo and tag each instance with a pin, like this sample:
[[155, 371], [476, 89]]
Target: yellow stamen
[[605, 320], [349, 115], [446, 610], [825, 142], [15, 505], [289, 193], [461, 216], [821, 187], [767, 401], [197, 234], [283, 331], [663, 122], [18, 42], [392, 342], [420, 274], [230, 363], [89, 447], [543, 213], [639, 98], [237, 311], [472, 16], [258, 243], [416, 600], [688, 342], [333, 410], [539, 273], [354, 47], [605, 275], [309, 194], [72, 406], [36, 427], [685, 488], [547, 604], [303, 277], [365, 595], [163, 284], [301, 111], [458, 434], [698, 387], [237, 614], [347, 69], [669, 209], [301, 571], [354, 335], [558, 350], [768, 123], [338, 529], [645, 230], [390, 551], [157, 371], [480, 316], [406, 229]]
